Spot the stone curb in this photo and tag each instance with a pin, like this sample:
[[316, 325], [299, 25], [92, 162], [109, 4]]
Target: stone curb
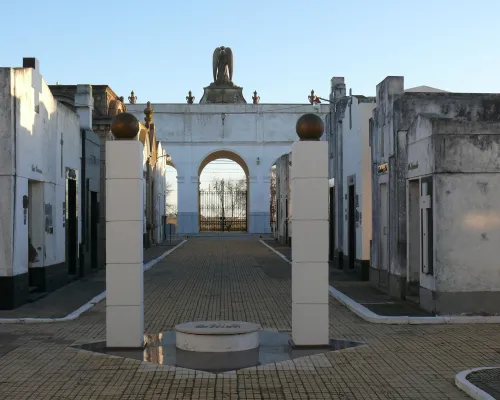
[[370, 316], [87, 306], [472, 390]]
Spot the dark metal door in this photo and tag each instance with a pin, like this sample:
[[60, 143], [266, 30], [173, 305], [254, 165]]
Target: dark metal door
[[332, 223], [94, 221], [71, 226], [351, 228], [223, 210]]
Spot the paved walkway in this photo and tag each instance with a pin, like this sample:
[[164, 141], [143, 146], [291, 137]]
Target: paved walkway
[[362, 292], [240, 279], [69, 298]]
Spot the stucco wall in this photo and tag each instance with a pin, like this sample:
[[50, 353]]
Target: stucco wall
[[32, 135], [463, 157], [467, 232], [393, 116], [7, 166], [357, 161], [259, 134]]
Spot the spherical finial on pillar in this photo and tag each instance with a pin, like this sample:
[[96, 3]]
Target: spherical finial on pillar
[[310, 127], [124, 126]]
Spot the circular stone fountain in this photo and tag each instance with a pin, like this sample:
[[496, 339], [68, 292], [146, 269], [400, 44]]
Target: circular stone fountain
[[217, 345]]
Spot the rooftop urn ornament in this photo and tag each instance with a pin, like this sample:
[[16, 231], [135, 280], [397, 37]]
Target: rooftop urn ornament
[[148, 112], [222, 64], [313, 99], [132, 98], [124, 126], [190, 97], [310, 127], [255, 98]]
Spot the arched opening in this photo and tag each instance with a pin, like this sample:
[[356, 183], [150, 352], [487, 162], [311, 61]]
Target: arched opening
[[223, 178]]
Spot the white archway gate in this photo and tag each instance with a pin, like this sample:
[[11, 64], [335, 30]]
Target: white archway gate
[[124, 250], [256, 133]]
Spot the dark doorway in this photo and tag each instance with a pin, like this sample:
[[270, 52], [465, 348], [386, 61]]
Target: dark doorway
[[426, 226], [34, 216], [287, 221], [413, 210], [332, 223], [351, 227], [71, 226], [94, 221]]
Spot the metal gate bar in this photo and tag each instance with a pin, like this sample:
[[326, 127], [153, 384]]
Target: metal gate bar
[[223, 210]]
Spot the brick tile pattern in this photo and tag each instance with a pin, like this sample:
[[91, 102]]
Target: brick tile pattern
[[240, 279]]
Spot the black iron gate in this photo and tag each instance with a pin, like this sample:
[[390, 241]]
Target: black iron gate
[[223, 210]]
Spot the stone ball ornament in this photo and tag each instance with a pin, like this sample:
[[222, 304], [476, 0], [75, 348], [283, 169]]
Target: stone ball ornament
[[310, 127], [124, 126]]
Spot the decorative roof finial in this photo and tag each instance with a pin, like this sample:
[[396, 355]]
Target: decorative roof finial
[[255, 98], [190, 98], [132, 99], [313, 99], [148, 112]]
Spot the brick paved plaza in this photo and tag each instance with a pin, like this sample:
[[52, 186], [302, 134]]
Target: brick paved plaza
[[240, 279]]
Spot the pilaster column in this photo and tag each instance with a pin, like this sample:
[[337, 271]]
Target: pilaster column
[[310, 235], [188, 197], [124, 242], [259, 190]]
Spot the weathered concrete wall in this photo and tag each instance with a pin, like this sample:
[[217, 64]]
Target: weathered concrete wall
[[395, 112], [256, 134], [467, 232], [7, 168], [463, 158], [339, 102]]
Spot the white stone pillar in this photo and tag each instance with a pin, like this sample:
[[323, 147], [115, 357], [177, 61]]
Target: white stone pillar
[[310, 243], [124, 244], [187, 206], [259, 190]]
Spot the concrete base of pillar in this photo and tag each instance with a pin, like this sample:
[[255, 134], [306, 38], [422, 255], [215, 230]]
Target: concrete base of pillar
[[258, 222], [187, 222]]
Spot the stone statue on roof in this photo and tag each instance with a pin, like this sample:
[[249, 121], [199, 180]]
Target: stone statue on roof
[[222, 64]]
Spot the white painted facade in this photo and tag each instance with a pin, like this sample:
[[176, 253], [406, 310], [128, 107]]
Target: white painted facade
[[350, 163], [160, 197], [39, 139], [255, 135], [357, 169], [154, 163]]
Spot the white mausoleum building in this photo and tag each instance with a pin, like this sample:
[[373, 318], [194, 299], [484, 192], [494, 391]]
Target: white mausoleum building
[[350, 166], [47, 155], [436, 197]]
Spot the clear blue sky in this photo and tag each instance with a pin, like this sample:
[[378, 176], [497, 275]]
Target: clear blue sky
[[282, 48]]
